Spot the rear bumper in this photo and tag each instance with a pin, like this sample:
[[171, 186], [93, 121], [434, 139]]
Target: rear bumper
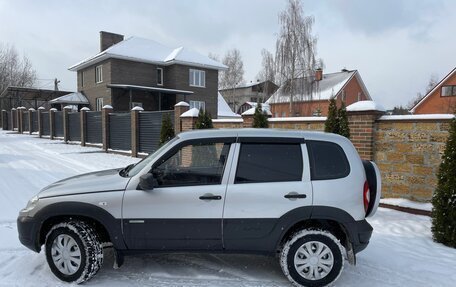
[[359, 233], [27, 228]]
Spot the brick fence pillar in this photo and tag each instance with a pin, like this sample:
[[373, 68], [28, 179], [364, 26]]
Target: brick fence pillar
[[30, 120], [4, 120], [82, 122], [106, 110], [362, 117], [52, 123], [135, 130], [188, 119], [179, 109], [66, 131], [40, 123]]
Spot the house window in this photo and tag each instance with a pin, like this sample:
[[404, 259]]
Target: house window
[[160, 76], [359, 96], [448, 91], [82, 78], [344, 96], [136, 104], [99, 104], [99, 74], [284, 114], [197, 78], [200, 105]]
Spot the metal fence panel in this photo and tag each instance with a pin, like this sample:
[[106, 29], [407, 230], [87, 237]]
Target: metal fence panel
[[25, 121], [14, 123], [93, 127], [120, 131], [149, 129], [34, 127], [45, 123], [8, 120], [74, 126], [58, 124]]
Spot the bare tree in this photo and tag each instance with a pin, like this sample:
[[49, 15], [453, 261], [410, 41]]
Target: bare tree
[[296, 52], [234, 75], [267, 72], [433, 81], [216, 58], [15, 71]]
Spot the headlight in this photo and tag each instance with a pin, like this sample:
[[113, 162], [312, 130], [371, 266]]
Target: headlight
[[31, 204]]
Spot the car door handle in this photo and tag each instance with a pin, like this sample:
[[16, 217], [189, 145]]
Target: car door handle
[[294, 195], [210, 197]]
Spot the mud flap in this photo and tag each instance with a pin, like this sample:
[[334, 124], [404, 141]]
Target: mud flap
[[118, 259], [351, 256]]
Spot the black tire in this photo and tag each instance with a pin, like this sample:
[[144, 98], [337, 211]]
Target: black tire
[[88, 244], [312, 237]]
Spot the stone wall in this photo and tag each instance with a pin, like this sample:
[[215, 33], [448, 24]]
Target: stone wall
[[408, 153]]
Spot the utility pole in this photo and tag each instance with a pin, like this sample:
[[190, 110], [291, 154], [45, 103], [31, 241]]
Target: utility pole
[[56, 84]]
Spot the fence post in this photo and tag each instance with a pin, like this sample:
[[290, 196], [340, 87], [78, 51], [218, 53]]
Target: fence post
[[105, 111], [82, 122], [51, 123], [40, 123], [30, 120], [179, 109], [135, 130], [66, 131], [189, 119], [4, 120]]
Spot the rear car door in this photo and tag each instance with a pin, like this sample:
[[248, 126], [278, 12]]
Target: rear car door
[[271, 179], [184, 210]]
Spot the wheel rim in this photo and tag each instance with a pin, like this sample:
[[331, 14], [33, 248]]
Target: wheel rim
[[66, 254], [313, 260]]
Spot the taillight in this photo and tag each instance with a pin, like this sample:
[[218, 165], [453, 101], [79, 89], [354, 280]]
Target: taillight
[[366, 196]]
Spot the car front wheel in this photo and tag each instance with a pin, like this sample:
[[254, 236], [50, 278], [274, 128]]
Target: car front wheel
[[312, 258], [73, 251]]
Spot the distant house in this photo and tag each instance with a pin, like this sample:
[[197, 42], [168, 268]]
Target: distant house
[[142, 72], [248, 93], [313, 94], [441, 99]]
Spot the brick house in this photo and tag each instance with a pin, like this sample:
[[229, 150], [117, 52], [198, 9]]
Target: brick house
[[142, 72], [240, 98], [313, 94], [441, 99]]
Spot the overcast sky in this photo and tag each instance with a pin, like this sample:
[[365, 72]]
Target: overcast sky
[[395, 45]]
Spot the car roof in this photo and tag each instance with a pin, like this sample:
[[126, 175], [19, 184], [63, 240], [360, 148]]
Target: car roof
[[253, 132]]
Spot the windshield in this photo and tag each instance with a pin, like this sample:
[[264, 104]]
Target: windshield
[[140, 165]]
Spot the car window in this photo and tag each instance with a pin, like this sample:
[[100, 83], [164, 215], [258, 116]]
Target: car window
[[267, 162], [193, 164], [327, 160]]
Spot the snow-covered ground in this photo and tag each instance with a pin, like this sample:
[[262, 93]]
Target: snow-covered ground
[[401, 252]]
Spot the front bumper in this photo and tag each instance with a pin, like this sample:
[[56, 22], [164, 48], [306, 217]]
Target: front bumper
[[27, 228], [360, 233]]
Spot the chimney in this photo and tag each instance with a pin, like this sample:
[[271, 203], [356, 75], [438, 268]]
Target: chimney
[[108, 39], [318, 74]]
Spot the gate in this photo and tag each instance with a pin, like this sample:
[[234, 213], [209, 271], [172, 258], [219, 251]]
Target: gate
[[25, 122], [120, 131], [74, 126], [58, 124], [93, 127], [149, 129], [34, 127], [45, 123]]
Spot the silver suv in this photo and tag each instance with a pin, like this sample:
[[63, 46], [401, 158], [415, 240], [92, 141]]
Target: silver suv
[[302, 196]]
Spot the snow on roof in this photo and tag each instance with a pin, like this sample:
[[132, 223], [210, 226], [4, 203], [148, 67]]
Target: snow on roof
[[149, 51], [251, 111], [417, 117], [365, 106], [224, 111], [182, 104], [192, 113], [73, 98], [330, 86]]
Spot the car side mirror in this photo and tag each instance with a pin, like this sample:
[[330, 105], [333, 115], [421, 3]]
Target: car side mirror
[[147, 182]]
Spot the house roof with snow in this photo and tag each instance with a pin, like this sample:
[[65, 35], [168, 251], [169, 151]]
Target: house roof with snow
[[309, 89], [224, 111], [149, 51]]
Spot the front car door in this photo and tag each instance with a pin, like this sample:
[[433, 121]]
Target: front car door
[[270, 182], [184, 210]]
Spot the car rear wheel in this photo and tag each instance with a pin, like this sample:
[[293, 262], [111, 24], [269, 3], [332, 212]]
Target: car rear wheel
[[73, 251], [312, 258]]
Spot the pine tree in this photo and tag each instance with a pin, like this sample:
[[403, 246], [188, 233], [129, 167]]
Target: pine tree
[[344, 128], [444, 198], [204, 120], [167, 129], [332, 123], [260, 119]]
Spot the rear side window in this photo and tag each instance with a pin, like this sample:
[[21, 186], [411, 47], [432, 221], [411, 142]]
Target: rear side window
[[327, 160], [264, 162]]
